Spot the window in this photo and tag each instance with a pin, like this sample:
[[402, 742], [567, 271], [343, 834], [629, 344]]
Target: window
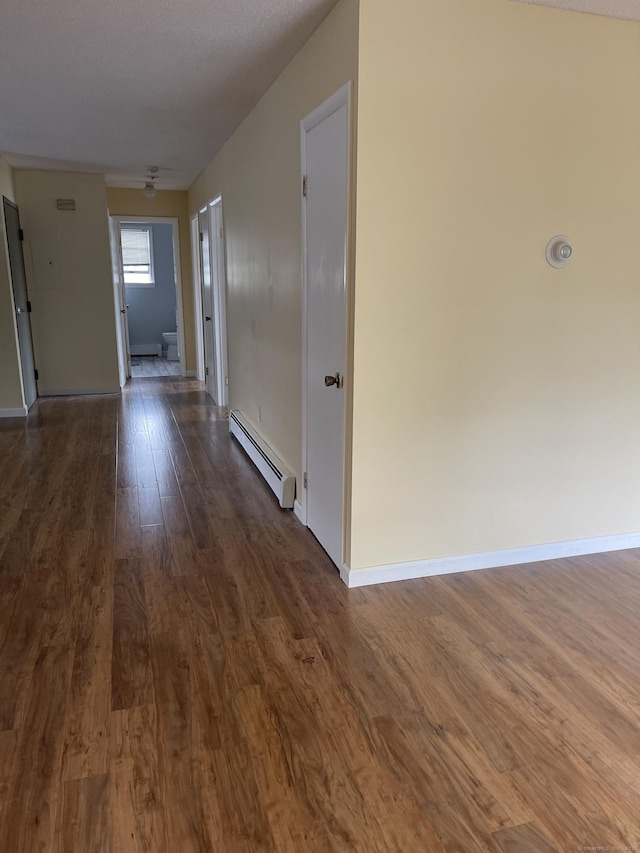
[[137, 255]]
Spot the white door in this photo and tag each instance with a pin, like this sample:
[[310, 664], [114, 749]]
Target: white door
[[325, 156], [207, 303], [120, 303]]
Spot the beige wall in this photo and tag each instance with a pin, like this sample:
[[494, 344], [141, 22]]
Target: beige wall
[[10, 382], [69, 277], [497, 400], [258, 173], [170, 203]]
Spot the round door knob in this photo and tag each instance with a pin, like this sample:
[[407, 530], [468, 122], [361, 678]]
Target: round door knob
[[333, 380]]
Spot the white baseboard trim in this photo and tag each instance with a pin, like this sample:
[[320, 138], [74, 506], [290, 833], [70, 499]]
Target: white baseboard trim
[[75, 392], [300, 514], [488, 559], [14, 413], [190, 374]]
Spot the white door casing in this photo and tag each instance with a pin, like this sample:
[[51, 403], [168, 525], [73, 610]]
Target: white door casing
[[325, 159], [197, 297], [120, 304], [115, 223]]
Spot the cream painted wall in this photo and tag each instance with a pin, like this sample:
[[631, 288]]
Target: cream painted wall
[[172, 203], [258, 173], [10, 382], [497, 400], [68, 264]]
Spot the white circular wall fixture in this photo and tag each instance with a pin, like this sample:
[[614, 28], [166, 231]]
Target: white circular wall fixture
[[559, 251]]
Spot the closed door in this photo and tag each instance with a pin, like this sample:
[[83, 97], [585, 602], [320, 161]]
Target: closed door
[[208, 303], [21, 302], [325, 158]]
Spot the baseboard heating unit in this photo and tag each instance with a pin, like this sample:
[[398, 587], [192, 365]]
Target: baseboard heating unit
[[146, 349], [280, 480]]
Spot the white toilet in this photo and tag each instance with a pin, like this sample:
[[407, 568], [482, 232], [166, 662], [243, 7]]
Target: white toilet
[[171, 340]]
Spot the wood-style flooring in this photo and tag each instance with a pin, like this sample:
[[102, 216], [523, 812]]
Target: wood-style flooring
[[182, 670]]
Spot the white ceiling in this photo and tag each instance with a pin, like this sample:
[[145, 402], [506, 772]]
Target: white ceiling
[[114, 86], [628, 9]]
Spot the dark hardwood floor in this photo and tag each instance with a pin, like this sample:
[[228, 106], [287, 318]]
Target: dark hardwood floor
[[182, 669]]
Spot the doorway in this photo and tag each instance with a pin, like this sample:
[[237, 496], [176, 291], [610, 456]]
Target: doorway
[[21, 302], [210, 299], [325, 154], [148, 297]]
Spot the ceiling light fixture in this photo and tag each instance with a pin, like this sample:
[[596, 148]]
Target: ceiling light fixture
[[149, 187]]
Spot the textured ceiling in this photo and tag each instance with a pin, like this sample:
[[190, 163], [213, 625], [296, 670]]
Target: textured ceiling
[[628, 9], [114, 86]]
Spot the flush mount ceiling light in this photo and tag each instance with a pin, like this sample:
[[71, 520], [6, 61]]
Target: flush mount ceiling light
[[559, 251], [149, 187]]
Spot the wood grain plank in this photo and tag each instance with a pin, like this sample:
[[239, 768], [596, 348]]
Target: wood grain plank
[[89, 702], [83, 816], [127, 524], [34, 789], [185, 826], [134, 786], [525, 838], [131, 677], [19, 652]]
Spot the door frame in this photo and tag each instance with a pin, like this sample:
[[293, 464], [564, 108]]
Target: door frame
[[219, 270], [122, 327], [218, 264], [5, 243], [198, 318], [175, 223], [343, 97]]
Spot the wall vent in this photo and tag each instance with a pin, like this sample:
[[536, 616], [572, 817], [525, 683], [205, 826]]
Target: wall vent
[[280, 479], [66, 203]]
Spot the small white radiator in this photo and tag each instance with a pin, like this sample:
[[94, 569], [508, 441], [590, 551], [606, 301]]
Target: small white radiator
[[281, 480]]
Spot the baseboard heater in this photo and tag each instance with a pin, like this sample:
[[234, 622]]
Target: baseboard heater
[[146, 349], [281, 481]]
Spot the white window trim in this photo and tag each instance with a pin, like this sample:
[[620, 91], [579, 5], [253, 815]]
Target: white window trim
[[134, 226]]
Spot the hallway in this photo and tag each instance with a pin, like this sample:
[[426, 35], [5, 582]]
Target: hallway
[[203, 681]]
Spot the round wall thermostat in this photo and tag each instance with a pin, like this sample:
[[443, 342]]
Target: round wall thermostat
[[559, 251]]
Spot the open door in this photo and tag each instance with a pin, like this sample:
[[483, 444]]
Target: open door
[[120, 303], [218, 272], [21, 302], [206, 273], [214, 305]]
